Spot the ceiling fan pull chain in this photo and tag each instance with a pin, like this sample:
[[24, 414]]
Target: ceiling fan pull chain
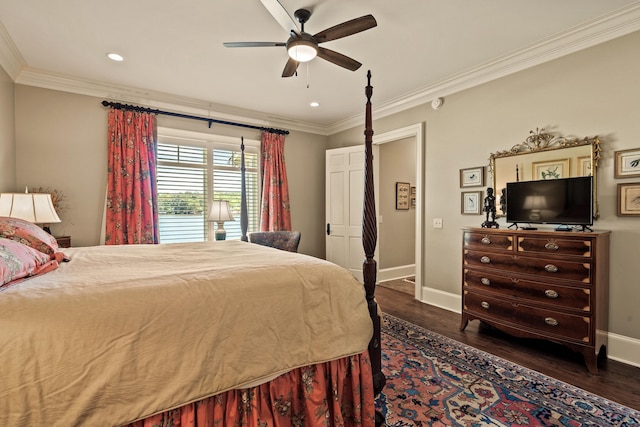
[[307, 75]]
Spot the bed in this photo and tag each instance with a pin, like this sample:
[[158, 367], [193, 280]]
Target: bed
[[212, 333]]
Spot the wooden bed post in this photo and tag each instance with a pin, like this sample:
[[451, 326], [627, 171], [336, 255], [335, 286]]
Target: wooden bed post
[[369, 240]]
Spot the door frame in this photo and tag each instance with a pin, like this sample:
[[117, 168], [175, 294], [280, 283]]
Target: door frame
[[416, 131]]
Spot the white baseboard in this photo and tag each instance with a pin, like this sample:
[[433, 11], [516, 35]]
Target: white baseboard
[[396, 272], [619, 348]]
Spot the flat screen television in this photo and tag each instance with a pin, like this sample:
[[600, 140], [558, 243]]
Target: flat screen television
[[567, 201]]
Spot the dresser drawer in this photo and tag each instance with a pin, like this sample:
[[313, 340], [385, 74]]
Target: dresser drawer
[[561, 247], [540, 267], [488, 241], [548, 323], [552, 295]]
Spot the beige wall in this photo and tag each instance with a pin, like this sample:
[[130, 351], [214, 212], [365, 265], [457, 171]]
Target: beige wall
[[592, 92], [61, 140], [396, 233], [7, 133]]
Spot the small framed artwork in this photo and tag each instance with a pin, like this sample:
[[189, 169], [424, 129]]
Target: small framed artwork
[[627, 163], [471, 203], [472, 177], [402, 195], [584, 166], [551, 169], [629, 199]]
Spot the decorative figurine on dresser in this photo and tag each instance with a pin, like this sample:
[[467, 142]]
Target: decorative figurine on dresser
[[550, 285], [490, 209]]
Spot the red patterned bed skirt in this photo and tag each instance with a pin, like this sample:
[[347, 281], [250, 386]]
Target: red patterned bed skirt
[[336, 393]]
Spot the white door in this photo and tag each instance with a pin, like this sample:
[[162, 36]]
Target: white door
[[344, 198]]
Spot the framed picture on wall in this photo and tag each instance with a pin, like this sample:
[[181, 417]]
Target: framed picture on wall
[[629, 199], [471, 202], [402, 195], [627, 163], [472, 177], [551, 169]]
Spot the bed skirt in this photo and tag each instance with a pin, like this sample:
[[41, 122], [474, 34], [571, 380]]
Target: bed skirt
[[335, 393]]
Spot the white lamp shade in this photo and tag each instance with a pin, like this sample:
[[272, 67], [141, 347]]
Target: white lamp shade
[[33, 207], [220, 211]]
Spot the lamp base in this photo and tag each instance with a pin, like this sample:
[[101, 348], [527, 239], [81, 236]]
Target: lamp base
[[221, 233]]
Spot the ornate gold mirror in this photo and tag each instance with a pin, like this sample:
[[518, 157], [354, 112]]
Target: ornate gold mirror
[[546, 156]]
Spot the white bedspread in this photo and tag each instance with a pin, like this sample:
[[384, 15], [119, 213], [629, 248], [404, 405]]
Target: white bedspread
[[120, 333]]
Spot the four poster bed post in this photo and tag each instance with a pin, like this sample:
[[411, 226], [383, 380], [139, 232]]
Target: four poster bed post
[[369, 241]]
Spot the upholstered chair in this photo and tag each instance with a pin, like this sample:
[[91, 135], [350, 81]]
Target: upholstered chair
[[285, 240]]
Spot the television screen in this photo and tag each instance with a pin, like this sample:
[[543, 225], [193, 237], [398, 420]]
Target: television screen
[[567, 201]]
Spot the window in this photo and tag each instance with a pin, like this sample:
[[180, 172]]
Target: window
[[193, 170]]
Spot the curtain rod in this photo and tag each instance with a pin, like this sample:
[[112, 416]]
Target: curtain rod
[[187, 116]]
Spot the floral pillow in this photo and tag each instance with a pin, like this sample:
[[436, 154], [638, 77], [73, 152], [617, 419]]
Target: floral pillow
[[30, 234], [18, 261]]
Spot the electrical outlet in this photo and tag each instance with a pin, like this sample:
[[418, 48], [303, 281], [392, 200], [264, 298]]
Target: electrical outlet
[[437, 222]]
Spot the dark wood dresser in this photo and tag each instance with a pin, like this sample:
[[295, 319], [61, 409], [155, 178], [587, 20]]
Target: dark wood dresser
[[539, 284]]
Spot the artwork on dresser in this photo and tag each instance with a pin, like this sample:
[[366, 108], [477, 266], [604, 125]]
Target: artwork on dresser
[[627, 163], [471, 203], [402, 196], [629, 199], [472, 177], [551, 169]]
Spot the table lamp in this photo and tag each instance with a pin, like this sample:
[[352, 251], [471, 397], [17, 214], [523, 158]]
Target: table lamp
[[34, 207], [220, 212]]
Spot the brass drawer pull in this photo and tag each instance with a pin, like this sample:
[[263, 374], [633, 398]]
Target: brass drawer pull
[[485, 260], [485, 281], [551, 293], [485, 240], [552, 246], [551, 268], [550, 321], [485, 305]]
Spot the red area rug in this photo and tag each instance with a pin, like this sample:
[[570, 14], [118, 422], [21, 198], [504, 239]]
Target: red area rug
[[435, 381]]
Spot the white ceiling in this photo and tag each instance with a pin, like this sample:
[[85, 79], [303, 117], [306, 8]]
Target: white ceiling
[[420, 50]]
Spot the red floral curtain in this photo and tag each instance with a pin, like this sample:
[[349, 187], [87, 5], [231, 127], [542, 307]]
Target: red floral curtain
[[275, 212], [132, 208]]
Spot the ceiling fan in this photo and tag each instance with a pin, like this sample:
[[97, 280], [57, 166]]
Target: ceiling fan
[[302, 46]]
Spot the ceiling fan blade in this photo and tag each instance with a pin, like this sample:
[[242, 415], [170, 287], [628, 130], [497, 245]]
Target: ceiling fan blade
[[290, 68], [253, 44], [281, 15], [338, 59], [346, 29]]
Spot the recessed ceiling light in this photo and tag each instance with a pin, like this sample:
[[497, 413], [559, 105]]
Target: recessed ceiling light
[[315, 104], [115, 57]]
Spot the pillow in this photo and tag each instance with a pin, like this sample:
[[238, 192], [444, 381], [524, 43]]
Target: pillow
[[29, 234], [18, 261]]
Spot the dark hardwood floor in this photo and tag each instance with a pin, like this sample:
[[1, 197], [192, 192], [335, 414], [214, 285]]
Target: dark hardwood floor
[[615, 381]]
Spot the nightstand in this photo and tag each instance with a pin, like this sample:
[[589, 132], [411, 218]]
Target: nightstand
[[64, 241]]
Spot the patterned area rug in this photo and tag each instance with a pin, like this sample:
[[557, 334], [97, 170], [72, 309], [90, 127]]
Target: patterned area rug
[[436, 381]]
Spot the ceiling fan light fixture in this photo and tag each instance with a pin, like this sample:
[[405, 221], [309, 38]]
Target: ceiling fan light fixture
[[302, 50]]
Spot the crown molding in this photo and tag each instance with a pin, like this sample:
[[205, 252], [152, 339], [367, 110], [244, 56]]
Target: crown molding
[[10, 58], [160, 100], [605, 28]]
